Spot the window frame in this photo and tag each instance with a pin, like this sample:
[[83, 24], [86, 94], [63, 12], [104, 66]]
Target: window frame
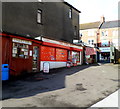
[[39, 13], [70, 13], [19, 50]]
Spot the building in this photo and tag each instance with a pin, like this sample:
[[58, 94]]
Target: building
[[89, 32], [35, 33], [104, 36], [109, 40], [58, 20]]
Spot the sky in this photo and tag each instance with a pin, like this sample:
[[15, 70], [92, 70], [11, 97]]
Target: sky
[[92, 10]]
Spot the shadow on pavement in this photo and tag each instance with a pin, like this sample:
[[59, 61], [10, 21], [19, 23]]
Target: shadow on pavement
[[39, 82]]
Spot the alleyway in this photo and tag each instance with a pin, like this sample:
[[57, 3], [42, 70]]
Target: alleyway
[[80, 86]]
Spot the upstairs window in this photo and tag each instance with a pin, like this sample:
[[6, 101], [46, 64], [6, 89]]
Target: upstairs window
[[91, 42], [115, 33], [91, 33], [75, 31], [70, 13], [39, 0], [104, 33], [39, 16]]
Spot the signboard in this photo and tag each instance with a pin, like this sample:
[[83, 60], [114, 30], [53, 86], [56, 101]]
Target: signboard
[[61, 43], [46, 67], [21, 41], [104, 49]]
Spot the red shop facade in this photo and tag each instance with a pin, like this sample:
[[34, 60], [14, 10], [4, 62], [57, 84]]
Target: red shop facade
[[25, 55]]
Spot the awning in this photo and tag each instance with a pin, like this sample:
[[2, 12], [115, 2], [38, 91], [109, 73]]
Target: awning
[[90, 51]]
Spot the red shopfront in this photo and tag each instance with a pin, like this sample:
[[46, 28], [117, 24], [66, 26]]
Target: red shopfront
[[22, 54], [58, 53], [28, 55]]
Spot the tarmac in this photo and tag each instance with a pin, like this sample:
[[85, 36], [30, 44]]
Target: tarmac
[[94, 85]]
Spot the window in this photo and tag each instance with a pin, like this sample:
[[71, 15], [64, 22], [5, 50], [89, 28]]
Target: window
[[39, 0], [105, 43], [91, 33], [81, 35], [75, 31], [70, 13], [115, 33], [88, 41], [91, 42], [39, 16], [76, 55], [20, 50], [104, 33]]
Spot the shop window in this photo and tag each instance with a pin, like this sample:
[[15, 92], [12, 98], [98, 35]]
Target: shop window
[[69, 55], [20, 50], [105, 43], [76, 55]]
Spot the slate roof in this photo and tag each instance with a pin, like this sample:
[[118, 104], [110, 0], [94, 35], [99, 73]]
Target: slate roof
[[111, 24], [91, 25]]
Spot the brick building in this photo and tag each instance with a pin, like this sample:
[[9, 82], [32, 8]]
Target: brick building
[[103, 35]]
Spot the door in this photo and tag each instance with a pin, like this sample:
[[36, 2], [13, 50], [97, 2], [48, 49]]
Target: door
[[35, 58]]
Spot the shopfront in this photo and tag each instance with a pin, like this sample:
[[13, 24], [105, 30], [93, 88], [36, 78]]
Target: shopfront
[[105, 54], [20, 53], [90, 54], [25, 55], [58, 53]]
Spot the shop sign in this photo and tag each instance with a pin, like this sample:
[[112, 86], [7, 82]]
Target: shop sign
[[61, 43], [21, 41], [104, 49]]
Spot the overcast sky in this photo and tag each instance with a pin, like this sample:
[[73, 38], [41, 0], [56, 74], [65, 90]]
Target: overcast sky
[[92, 10]]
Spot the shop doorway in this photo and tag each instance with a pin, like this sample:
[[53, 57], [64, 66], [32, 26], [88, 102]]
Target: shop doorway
[[105, 57], [35, 58]]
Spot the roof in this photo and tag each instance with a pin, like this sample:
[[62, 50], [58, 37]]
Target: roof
[[89, 25], [72, 6], [111, 24]]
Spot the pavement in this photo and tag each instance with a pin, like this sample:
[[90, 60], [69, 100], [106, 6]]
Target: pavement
[[80, 86], [110, 101]]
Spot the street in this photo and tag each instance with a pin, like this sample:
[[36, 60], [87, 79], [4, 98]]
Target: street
[[80, 86]]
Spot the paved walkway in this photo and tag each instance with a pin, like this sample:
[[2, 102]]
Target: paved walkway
[[110, 101], [80, 86]]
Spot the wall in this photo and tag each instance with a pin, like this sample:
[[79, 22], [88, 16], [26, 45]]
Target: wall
[[85, 37], [21, 18]]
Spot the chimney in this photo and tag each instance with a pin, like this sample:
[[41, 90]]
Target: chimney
[[102, 20]]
